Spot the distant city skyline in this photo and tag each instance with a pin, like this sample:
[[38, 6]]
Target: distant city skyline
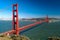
[[30, 8]]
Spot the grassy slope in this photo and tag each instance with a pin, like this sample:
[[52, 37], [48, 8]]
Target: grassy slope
[[13, 37]]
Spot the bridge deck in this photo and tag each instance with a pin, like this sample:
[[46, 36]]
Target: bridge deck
[[23, 28]]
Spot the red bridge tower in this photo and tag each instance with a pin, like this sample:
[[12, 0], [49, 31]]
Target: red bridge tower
[[47, 19], [15, 19]]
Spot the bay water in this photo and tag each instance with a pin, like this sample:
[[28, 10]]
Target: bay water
[[38, 32]]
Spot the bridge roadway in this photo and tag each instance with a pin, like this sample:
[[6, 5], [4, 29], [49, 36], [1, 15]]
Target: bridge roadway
[[23, 28]]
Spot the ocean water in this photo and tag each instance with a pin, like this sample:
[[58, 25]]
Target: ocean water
[[38, 32], [7, 25]]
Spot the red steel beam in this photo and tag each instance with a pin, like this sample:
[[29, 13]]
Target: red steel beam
[[29, 26], [24, 27]]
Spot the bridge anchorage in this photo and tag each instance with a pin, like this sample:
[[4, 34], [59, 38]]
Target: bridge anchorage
[[15, 30]]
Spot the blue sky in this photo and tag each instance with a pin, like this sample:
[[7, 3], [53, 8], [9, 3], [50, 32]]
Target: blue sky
[[30, 8]]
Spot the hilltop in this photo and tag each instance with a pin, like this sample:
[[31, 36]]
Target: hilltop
[[13, 37]]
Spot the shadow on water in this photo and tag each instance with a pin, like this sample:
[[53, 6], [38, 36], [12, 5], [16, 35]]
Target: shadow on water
[[29, 28]]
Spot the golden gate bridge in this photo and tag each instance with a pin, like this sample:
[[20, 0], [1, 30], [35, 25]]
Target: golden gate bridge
[[15, 28]]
